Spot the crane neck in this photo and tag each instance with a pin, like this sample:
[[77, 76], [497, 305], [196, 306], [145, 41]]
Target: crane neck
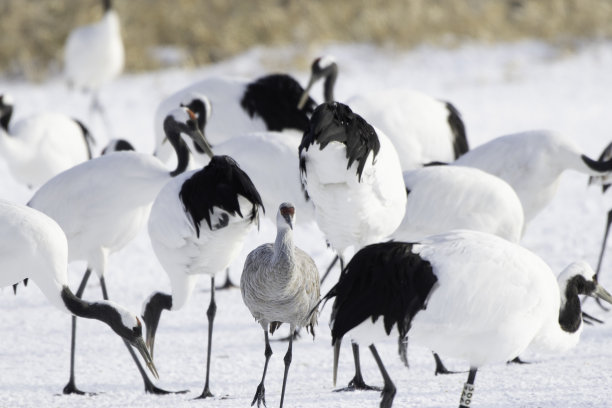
[[570, 311], [284, 248], [330, 82], [80, 307], [182, 151], [5, 118]]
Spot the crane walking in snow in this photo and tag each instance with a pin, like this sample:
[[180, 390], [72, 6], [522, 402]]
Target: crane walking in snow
[[197, 226], [280, 284]]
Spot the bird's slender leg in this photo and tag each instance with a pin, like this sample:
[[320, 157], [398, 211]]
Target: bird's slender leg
[[228, 281], [331, 266], [287, 360], [388, 391], [260, 394], [468, 390], [601, 254], [71, 387], [357, 382], [440, 368], [148, 384], [210, 313], [294, 336], [96, 106]]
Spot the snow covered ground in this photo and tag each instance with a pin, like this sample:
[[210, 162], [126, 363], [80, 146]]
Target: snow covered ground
[[499, 89]]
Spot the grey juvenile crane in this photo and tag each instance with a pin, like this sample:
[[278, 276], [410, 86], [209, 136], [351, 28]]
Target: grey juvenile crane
[[280, 284]]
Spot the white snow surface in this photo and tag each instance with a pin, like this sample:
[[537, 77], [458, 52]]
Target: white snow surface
[[499, 89]]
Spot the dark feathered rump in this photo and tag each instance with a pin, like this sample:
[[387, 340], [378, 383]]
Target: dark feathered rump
[[274, 98], [383, 280], [218, 185], [336, 122], [460, 143]]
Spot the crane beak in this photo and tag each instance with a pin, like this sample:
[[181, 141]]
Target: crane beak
[[198, 137], [602, 294], [150, 339], [140, 345], [304, 96], [287, 218]]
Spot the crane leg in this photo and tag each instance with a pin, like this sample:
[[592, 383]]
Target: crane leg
[[389, 390], [468, 390], [331, 266], [148, 384], [601, 253], [210, 313], [287, 360], [71, 387], [260, 394], [357, 382], [228, 282]]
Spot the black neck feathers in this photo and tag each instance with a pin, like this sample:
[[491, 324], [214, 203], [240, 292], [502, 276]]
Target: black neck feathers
[[87, 137], [107, 5], [460, 143], [601, 166], [103, 312], [173, 133], [6, 112], [274, 98], [336, 122], [198, 107], [218, 185], [570, 315], [331, 75], [383, 280]]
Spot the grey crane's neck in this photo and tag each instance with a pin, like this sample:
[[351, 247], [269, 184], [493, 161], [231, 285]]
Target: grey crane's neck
[[284, 249]]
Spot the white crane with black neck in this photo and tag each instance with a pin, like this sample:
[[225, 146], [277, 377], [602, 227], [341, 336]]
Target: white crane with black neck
[[466, 294], [35, 247], [423, 129], [103, 203], [197, 226], [41, 145]]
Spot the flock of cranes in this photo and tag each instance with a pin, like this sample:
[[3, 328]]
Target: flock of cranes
[[435, 226]]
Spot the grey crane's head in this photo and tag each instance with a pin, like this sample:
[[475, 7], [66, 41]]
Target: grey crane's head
[[286, 216], [184, 121], [322, 67], [578, 278]]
